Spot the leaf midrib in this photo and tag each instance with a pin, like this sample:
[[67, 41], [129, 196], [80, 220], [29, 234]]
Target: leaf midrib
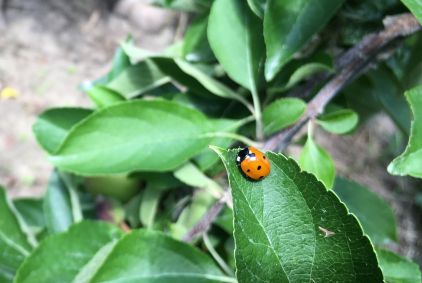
[[263, 230]]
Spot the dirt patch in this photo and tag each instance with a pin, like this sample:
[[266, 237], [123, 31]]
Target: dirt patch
[[48, 48]]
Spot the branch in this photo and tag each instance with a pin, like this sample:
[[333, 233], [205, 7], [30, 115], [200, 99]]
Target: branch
[[350, 64]]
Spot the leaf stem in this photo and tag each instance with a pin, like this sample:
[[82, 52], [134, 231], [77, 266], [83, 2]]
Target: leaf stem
[[258, 115], [234, 136], [216, 256]]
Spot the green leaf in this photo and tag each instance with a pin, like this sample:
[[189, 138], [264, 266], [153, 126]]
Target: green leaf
[[235, 36], [199, 205], [148, 256], [339, 122], [15, 241], [397, 269], [135, 135], [138, 79], [102, 96], [415, 6], [316, 160], [192, 176], [53, 125], [208, 82], [196, 47], [120, 61], [289, 25], [282, 113], [409, 162], [387, 89], [374, 214], [31, 210], [57, 205], [279, 223], [65, 257], [258, 7], [149, 205], [306, 71], [206, 158]]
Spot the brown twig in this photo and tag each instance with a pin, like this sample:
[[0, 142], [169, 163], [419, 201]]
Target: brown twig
[[350, 65]]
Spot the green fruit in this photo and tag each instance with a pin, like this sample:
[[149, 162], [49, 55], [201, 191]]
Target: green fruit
[[118, 186]]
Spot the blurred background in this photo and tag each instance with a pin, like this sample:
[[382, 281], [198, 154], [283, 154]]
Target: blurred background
[[50, 47]]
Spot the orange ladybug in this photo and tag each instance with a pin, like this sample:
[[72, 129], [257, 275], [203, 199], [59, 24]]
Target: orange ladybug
[[253, 163]]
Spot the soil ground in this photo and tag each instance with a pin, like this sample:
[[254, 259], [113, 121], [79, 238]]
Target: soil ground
[[49, 47]]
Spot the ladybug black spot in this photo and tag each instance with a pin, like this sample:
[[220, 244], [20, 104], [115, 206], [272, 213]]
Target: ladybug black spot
[[259, 167], [261, 177], [249, 170], [264, 157]]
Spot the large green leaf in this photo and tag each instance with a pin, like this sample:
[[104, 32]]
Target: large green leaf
[[374, 214], [148, 256], [289, 228], [135, 135], [316, 160], [63, 257], [288, 25], [138, 79], [282, 113], [15, 241], [410, 161], [235, 36], [415, 6], [53, 125], [397, 269]]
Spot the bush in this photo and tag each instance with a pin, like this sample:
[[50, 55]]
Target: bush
[[137, 195]]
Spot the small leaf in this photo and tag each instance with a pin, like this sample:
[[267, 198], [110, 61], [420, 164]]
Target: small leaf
[[120, 61], [278, 223], [282, 113], [258, 7], [31, 210], [235, 36], [53, 125], [195, 43], [192, 176], [198, 206], [339, 122], [397, 269], [63, 256], [415, 7], [138, 79], [409, 162], [289, 25], [57, 205], [316, 160], [388, 90], [374, 214], [306, 71], [16, 242], [149, 205], [206, 158], [208, 82], [136, 135], [102, 96]]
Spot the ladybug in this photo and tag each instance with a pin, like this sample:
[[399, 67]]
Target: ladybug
[[253, 163]]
